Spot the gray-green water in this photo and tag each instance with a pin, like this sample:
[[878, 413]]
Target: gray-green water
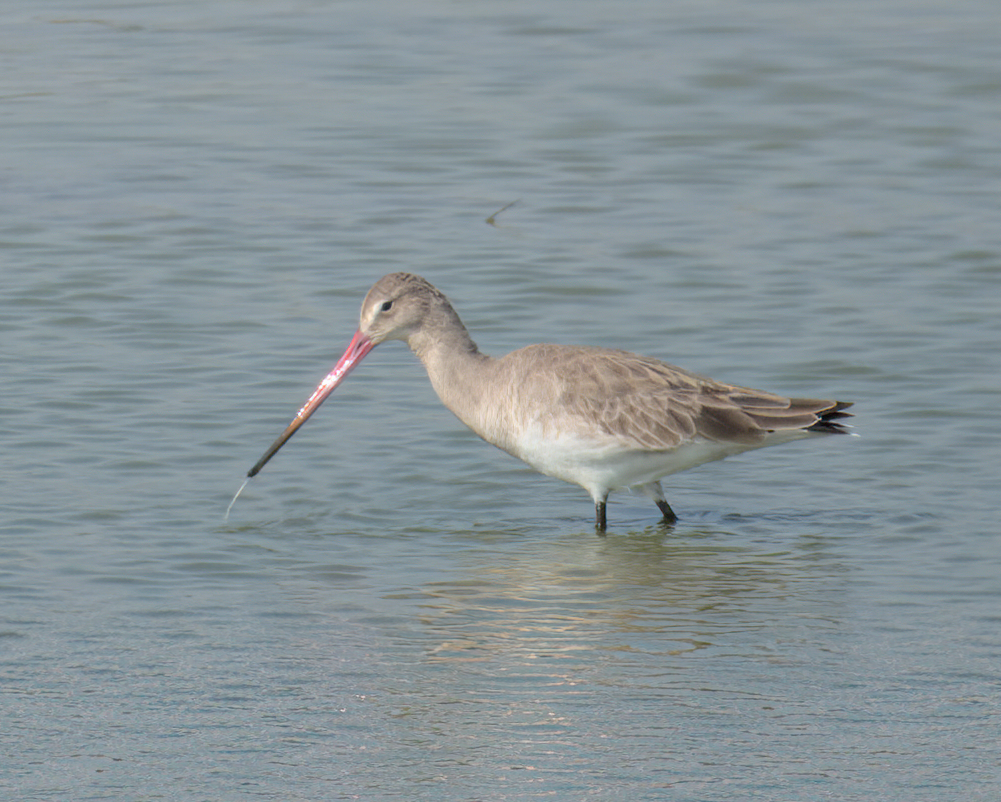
[[193, 200]]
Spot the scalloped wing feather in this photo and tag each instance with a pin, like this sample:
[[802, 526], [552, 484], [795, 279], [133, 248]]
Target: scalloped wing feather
[[645, 404]]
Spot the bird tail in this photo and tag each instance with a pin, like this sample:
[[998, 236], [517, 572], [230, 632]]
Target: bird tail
[[829, 420]]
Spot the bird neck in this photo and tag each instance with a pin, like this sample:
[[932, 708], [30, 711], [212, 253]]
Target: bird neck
[[458, 371]]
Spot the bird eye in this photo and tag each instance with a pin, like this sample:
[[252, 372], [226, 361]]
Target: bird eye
[[387, 305]]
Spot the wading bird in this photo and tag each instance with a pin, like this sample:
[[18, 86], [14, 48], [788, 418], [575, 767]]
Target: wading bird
[[600, 418]]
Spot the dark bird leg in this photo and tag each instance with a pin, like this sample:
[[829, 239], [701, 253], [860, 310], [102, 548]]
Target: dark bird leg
[[600, 521], [655, 492], [669, 516]]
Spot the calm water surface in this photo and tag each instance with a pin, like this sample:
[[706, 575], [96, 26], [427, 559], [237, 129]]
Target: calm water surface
[[194, 200]]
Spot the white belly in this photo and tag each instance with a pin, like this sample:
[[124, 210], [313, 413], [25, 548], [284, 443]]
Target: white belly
[[601, 467]]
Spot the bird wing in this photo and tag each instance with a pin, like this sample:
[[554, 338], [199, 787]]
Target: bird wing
[[643, 403]]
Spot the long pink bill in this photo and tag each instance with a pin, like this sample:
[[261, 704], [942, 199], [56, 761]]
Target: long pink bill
[[356, 350]]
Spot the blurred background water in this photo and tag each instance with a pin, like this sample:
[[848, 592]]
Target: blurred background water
[[194, 199]]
